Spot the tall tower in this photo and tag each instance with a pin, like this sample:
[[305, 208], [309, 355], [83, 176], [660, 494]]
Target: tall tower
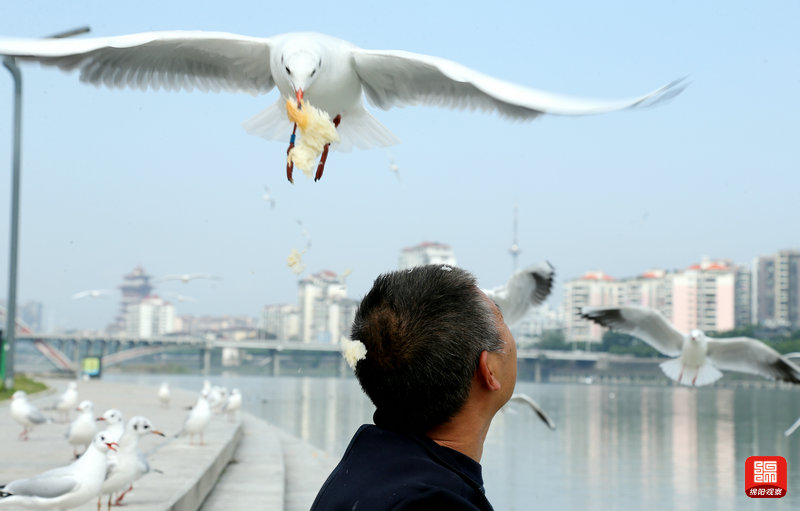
[[514, 250]]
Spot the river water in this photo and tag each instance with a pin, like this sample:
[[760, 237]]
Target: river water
[[655, 448]]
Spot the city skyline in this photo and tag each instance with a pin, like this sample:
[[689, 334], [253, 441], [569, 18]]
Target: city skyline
[[113, 179]]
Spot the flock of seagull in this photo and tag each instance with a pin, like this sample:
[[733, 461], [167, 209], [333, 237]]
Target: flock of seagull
[[110, 460]]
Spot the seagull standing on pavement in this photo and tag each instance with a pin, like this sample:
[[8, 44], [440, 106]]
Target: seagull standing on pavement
[[67, 401], [164, 395], [64, 487], [697, 359], [525, 289], [198, 418], [25, 413], [234, 404], [330, 73], [83, 429], [115, 423], [123, 464]]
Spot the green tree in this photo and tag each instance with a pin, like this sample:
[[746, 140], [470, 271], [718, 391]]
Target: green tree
[[553, 340]]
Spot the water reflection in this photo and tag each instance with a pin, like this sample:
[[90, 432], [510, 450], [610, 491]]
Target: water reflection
[[616, 447]]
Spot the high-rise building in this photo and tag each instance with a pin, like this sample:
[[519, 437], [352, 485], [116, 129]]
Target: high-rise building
[[135, 287], [427, 252], [776, 289], [150, 317], [325, 311], [281, 321]]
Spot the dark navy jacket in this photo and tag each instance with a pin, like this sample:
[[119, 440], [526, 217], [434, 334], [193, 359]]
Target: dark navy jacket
[[385, 470]]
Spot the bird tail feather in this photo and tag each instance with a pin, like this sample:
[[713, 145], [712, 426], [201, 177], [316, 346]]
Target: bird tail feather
[[704, 375]]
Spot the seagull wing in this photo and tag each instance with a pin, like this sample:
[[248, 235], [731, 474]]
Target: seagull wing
[[35, 415], [747, 355], [647, 324], [524, 289], [48, 485], [398, 78], [536, 408], [172, 60]]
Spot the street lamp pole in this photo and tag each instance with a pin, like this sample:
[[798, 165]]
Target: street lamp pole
[[11, 308]]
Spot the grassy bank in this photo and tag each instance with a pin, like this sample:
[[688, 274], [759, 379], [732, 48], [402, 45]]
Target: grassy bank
[[22, 382]]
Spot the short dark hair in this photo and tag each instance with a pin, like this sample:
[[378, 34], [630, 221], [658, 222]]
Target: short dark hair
[[424, 330]]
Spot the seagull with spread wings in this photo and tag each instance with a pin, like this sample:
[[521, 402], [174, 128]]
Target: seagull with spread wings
[[525, 289], [185, 277], [697, 359], [330, 73]]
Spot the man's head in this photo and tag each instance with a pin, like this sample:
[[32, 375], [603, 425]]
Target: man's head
[[424, 330]]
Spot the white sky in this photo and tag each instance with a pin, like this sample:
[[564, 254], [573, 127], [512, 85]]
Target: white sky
[[170, 181]]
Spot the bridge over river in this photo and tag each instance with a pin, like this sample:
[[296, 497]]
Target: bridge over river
[[66, 352]]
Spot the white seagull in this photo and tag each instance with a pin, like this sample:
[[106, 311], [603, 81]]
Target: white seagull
[[186, 277], [63, 487], [123, 464], [91, 293], [67, 401], [697, 359], [115, 423], [234, 404], [525, 289], [164, 395], [83, 429], [198, 418], [332, 74], [524, 398], [25, 413]]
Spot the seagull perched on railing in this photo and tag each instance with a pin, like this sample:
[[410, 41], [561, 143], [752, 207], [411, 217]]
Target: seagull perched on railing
[[330, 73], [697, 358]]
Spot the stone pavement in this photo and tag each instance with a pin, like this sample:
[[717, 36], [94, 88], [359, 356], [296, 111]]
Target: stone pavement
[[244, 464]]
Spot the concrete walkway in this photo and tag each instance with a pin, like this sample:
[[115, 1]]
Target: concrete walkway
[[244, 464]]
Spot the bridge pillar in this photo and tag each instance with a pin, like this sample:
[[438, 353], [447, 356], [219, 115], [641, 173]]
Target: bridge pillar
[[537, 371], [276, 363], [206, 352], [76, 357]]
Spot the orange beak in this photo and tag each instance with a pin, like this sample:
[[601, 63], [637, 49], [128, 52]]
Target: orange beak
[[157, 432], [299, 94], [113, 446]]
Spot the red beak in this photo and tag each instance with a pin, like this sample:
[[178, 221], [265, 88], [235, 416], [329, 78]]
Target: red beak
[[112, 445], [101, 418], [299, 94]]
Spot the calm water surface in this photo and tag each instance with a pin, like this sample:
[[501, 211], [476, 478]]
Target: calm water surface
[[616, 447]]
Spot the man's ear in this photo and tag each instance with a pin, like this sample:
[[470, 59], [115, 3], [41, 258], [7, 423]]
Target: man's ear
[[485, 372]]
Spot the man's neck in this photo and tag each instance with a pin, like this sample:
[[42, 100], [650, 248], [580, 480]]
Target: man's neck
[[464, 433]]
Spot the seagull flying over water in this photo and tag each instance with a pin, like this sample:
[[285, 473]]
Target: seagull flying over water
[[525, 289], [697, 358], [332, 74], [524, 398]]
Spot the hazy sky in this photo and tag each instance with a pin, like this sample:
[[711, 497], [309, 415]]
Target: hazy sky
[[170, 181]]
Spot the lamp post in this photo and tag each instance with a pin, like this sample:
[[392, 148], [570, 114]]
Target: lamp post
[[11, 308]]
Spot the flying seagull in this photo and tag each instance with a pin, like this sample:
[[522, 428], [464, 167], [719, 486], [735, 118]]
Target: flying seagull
[[93, 293], [697, 358], [525, 288], [185, 277], [330, 73], [524, 398]]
